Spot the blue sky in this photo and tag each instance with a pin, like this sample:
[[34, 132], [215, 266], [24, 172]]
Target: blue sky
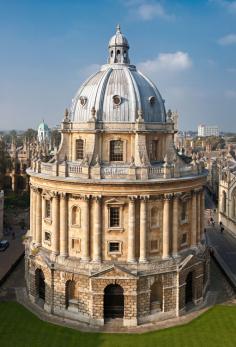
[[48, 48]]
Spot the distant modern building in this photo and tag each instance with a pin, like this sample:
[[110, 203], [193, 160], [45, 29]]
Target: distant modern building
[[208, 130], [1, 212]]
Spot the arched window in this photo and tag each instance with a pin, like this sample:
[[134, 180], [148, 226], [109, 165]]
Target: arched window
[[183, 215], [79, 149], [224, 202], [116, 150], [111, 54], [156, 296], [75, 215], [118, 55], [154, 217], [70, 292]]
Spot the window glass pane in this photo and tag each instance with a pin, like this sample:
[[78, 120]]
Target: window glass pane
[[114, 247], [79, 149], [116, 150], [114, 217], [47, 209]]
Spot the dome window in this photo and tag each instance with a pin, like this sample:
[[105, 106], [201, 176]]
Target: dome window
[[83, 100], [116, 100], [152, 100]]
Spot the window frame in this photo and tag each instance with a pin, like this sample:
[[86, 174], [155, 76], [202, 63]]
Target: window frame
[[111, 155], [76, 225], [76, 149], [119, 251]]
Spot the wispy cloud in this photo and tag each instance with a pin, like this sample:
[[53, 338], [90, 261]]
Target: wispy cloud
[[230, 6], [178, 61], [147, 10], [230, 94], [227, 40]]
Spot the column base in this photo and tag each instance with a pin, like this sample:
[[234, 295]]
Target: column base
[[143, 261], [85, 259], [132, 261], [166, 257], [98, 260]]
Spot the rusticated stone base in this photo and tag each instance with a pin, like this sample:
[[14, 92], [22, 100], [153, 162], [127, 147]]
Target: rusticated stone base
[[147, 297]]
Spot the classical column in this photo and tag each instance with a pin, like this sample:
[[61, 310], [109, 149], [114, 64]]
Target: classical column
[[85, 227], [97, 224], [199, 216], [63, 225], [131, 231], [38, 218], [166, 226], [31, 210], [55, 224], [175, 231], [202, 212], [194, 220], [34, 207], [143, 229]]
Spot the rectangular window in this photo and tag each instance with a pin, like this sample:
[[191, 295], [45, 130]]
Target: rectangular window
[[184, 239], [154, 150], [114, 217], [116, 150], [79, 149], [47, 209], [75, 244], [47, 237], [114, 247], [184, 211], [154, 245]]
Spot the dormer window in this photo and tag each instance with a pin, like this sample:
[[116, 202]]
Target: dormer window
[[116, 100], [116, 150], [152, 100]]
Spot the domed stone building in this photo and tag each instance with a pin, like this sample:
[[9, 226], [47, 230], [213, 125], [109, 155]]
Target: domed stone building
[[117, 215]]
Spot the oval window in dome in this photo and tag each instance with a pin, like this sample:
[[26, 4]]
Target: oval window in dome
[[116, 99], [83, 100], [152, 100]]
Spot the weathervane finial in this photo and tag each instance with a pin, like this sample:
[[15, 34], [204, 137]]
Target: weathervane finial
[[118, 28]]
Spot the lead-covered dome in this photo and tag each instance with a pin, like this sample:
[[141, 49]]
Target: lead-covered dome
[[118, 92]]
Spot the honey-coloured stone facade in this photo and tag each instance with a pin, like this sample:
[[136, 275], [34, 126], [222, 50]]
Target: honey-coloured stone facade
[[116, 216]]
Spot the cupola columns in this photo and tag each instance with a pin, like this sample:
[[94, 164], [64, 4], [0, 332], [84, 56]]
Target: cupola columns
[[118, 48]]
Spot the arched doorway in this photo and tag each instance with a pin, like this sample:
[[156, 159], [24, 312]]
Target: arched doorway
[[189, 289], [156, 297], [40, 284], [113, 301], [70, 292]]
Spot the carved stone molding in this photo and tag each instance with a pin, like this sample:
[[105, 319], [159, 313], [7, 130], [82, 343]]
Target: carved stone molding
[[168, 196]]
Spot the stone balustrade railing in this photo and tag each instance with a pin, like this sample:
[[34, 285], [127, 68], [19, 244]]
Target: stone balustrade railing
[[78, 170]]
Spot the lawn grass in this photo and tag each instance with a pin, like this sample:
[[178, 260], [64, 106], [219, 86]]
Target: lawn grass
[[20, 328]]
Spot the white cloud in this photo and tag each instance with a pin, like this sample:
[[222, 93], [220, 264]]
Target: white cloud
[[227, 40], [150, 11], [146, 10], [178, 61], [230, 94], [230, 6]]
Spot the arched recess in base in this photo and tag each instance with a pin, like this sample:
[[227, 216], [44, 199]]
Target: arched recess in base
[[113, 301], [156, 297], [40, 284], [70, 292]]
